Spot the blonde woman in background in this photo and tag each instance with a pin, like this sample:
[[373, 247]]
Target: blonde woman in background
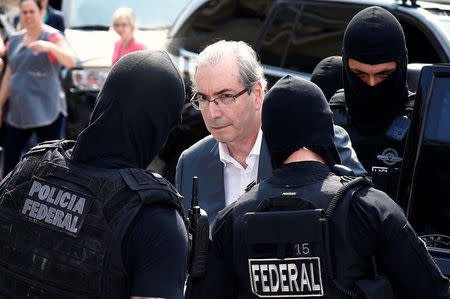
[[124, 23]]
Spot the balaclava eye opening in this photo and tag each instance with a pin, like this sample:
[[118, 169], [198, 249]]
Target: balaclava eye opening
[[374, 36]]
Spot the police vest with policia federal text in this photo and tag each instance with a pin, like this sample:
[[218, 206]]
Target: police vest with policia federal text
[[62, 225], [288, 245]]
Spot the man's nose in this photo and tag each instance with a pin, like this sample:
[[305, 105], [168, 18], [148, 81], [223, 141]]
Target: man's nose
[[372, 81], [213, 110]]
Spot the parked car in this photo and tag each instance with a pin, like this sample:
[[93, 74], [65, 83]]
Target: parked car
[[89, 33], [423, 189], [293, 36]]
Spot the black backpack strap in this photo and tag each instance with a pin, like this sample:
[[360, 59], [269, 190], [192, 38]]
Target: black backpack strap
[[350, 184]]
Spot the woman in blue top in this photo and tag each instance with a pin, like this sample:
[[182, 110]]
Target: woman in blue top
[[31, 83]]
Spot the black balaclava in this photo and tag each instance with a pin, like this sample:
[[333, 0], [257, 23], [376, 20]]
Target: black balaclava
[[139, 103], [295, 114], [374, 36], [328, 75]]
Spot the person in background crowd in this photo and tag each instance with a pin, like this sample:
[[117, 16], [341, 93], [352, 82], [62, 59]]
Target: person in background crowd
[[31, 83], [124, 23], [230, 84], [308, 232], [328, 75], [85, 219], [52, 17], [2, 52], [375, 105]]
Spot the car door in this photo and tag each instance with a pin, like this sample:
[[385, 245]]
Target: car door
[[425, 176]]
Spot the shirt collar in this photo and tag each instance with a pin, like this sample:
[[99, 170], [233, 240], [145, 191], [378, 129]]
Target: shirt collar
[[226, 158]]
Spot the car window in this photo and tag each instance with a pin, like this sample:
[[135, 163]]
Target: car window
[[420, 49], [445, 23], [296, 35], [149, 14], [437, 126], [217, 20], [299, 35]]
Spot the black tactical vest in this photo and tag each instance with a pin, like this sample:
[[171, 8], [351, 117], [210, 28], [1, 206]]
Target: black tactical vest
[[62, 225], [282, 249], [381, 152]]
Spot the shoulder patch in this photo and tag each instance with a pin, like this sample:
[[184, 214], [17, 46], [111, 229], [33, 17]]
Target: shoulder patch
[[55, 207]]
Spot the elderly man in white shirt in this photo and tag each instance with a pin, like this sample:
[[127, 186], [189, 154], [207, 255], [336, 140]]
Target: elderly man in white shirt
[[229, 90]]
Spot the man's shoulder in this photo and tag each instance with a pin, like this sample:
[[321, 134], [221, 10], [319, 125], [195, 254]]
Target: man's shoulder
[[377, 202], [204, 145], [192, 161], [374, 197]]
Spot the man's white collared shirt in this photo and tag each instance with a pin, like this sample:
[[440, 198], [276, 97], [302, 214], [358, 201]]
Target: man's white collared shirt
[[236, 177]]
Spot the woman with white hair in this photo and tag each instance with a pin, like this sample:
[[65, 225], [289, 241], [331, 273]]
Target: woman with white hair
[[124, 23]]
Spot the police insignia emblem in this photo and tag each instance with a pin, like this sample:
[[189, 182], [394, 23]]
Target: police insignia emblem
[[389, 156]]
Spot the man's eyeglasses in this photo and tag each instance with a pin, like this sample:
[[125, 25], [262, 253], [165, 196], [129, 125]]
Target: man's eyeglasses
[[200, 102]]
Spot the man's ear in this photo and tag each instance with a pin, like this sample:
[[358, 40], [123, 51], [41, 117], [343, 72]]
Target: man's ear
[[259, 95]]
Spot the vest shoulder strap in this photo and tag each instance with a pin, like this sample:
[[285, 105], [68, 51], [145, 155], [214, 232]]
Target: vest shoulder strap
[[145, 182], [337, 101], [48, 145]]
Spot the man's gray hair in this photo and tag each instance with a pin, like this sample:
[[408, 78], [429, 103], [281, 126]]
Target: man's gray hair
[[250, 68]]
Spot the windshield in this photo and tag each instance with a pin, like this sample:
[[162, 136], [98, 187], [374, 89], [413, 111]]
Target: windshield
[[149, 13], [446, 24]]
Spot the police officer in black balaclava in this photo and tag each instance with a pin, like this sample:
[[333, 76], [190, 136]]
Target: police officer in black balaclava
[[328, 75], [307, 232], [375, 105], [84, 219]]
